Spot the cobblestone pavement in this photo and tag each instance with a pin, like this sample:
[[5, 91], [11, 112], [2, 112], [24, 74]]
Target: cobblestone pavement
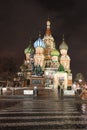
[[41, 113]]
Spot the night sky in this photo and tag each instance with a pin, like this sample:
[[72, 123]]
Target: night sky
[[22, 20]]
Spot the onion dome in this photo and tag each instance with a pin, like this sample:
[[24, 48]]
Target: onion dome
[[39, 43], [63, 45], [55, 53], [29, 49]]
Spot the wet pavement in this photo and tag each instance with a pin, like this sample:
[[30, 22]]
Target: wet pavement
[[42, 113]]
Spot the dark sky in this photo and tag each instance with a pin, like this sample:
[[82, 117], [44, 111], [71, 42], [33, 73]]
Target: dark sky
[[21, 21]]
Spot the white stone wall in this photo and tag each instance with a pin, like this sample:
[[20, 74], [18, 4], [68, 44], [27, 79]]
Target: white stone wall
[[60, 77]]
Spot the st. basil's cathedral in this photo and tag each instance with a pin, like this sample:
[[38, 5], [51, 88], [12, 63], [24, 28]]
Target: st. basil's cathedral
[[44, 65]]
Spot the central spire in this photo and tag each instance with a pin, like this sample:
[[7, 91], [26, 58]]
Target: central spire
[[48, 31]]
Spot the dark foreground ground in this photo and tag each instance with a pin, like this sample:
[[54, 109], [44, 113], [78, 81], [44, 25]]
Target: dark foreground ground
[[42, 113]]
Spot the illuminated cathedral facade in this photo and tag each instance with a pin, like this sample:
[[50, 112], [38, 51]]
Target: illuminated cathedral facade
[[42, 59]]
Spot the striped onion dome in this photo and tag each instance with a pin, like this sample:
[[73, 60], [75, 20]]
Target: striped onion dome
[[39, 43], [29, 49]]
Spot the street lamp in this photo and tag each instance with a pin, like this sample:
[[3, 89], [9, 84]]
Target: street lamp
[[80, 82]]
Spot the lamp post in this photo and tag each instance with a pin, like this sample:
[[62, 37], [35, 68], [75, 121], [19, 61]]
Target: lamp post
[[80, 86]]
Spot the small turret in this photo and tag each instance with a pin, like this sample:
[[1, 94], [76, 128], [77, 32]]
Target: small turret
[[39, 46], [64, 57]]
